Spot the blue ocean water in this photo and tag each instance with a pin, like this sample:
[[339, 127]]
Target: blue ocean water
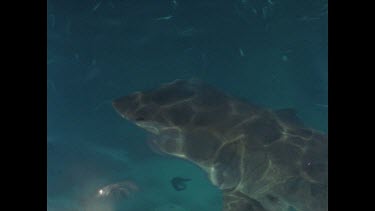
[[272, 52]]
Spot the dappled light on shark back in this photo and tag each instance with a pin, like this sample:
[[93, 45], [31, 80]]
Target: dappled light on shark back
[[167, 143], [260, 159]]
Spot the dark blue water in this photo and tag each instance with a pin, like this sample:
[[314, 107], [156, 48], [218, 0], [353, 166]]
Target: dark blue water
[[273, 53]]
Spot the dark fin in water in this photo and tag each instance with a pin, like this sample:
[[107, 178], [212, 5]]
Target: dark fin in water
[[289, 117], [178, 183], [237, 201]]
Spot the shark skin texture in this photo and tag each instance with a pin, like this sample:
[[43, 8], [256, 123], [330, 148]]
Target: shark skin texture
[[261, 159]]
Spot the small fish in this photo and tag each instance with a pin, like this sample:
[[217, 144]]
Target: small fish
[[178, 183], [288, 51], [53, 20], [76, 56], [308, 19], [96, 6], [322, 105], [51, 84], [50, 61], [174, 4], [92, 74], [265, 12], [188, 49], [164, 18], [68, 27], [241, 52], [111, 4], [284, 58], [188, 32]]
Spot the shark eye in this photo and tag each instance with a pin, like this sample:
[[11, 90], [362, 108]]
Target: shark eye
[[140, 119]]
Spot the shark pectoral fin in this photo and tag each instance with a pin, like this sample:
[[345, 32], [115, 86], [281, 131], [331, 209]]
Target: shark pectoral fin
[[237, 201]]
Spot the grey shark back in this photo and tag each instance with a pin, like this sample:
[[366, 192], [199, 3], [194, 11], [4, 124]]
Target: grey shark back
[[261, 159]]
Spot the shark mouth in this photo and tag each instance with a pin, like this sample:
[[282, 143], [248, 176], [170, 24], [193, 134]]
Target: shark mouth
[[149, 126]]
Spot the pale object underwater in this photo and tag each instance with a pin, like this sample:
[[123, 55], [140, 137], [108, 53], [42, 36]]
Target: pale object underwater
[[118, 190]]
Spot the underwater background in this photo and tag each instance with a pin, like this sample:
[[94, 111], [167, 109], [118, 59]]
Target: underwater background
[[270, 52]]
